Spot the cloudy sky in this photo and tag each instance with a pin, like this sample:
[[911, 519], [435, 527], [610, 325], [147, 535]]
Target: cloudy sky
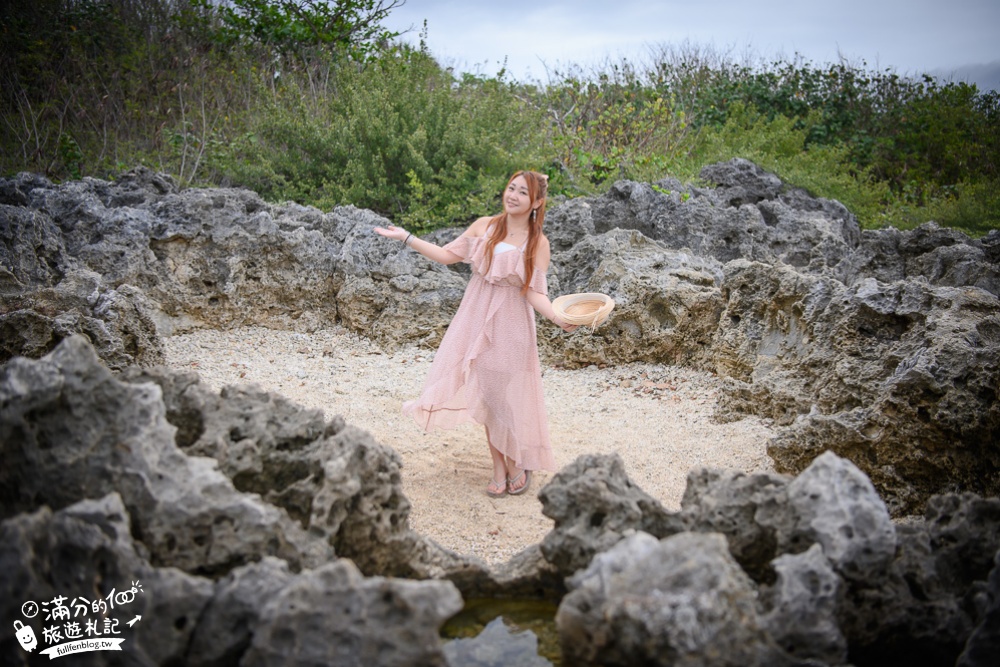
[[907, 36]]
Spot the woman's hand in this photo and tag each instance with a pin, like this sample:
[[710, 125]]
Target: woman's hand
[[565, 326], [393, 232]]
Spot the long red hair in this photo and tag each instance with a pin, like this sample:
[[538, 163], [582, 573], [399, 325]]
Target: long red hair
[[538, 186]]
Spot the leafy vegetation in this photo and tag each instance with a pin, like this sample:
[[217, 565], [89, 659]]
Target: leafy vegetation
[[317, 103]]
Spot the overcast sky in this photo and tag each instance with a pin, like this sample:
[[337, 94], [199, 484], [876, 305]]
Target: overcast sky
[[907, 36]]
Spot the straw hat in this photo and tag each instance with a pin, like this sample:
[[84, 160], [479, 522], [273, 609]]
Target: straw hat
[[590, 308]]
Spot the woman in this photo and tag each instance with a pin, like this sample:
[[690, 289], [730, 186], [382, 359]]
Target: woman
[[486, 369]]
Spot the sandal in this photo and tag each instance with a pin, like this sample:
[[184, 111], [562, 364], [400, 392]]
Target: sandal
[[490, 489], [521, 489]]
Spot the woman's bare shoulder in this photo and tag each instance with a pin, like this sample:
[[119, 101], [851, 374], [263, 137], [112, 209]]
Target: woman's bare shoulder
[[543, 245], [478, 228], [543, 253]]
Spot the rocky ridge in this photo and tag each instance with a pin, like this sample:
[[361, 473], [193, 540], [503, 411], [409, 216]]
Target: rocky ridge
[[876, 351], [106, 485], [882, 346]]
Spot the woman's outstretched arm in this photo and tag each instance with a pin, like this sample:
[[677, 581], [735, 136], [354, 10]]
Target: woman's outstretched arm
[[543, 306], [540, 302], [426, 248]]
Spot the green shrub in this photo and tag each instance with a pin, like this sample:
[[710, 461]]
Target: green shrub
[[399, 136], [609, 126], [916, 134], [779, 145], [973, 208]]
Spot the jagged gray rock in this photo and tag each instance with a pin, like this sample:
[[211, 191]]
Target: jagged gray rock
[[740, 181], [221, 257], [334, 479], [227, 624], [334, 616], [680, 600], [732, 503], [942, 256], [69, 430], [594, 505], [118, 322], [831, 572], [984, 645], [928, 604], [380, 284], [803, 607], [32, 249], [667, 303], [568, 223], [881, 341], [746, 217], [333, 488], [963, 532], [833, 504], [901, 378], [823, 323], [83, 553]]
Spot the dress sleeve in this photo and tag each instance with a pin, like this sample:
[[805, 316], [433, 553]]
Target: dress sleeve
[[463, 246], [539, 283]]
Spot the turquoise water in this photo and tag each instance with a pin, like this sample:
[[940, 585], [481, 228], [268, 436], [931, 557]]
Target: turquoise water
[[490, 632]]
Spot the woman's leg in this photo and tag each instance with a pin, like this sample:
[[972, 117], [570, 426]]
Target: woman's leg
[[498, 484], [517, 480]]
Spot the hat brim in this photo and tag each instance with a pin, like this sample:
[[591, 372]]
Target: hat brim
[[585, 308]]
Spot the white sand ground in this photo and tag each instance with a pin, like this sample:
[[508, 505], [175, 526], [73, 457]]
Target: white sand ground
[[657, 418]]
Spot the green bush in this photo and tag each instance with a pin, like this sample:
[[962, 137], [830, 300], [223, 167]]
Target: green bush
[[973, 208], [609, 126], [399, 136], [916, 134], [780, 146]]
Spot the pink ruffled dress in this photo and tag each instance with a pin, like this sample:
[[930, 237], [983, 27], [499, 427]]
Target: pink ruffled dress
[[486, 370]]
